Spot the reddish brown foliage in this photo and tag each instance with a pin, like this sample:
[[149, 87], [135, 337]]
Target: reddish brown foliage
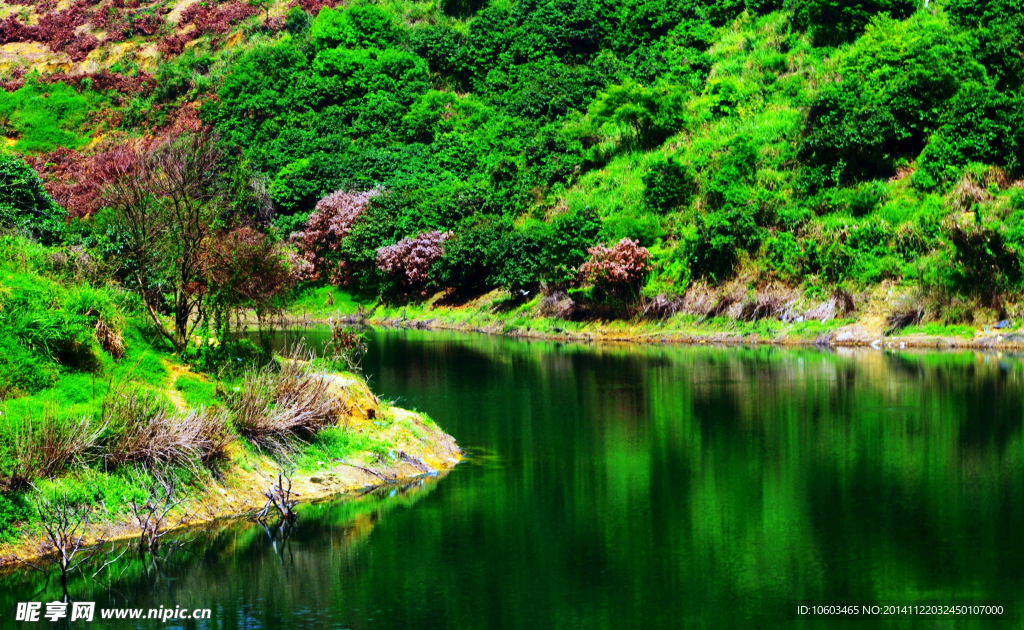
[[409, 260], [55, 29], [104, 80], [69, 178], [620, 270], [313, 7], [15, 82], [247, 268], [173, 45], [74, 179], [121, 26], [330, 222], [207, 19], [217, 19]]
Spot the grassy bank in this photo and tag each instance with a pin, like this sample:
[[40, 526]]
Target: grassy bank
[[97, 413]]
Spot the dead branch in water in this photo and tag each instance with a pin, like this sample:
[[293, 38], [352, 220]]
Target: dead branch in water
[[152, 514], [280, 496], [65, 524]]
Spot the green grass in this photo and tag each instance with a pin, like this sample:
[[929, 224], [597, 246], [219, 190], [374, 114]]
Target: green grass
[[338, 444], [196, 391], [45, 116], [936, 329], [323, 301]]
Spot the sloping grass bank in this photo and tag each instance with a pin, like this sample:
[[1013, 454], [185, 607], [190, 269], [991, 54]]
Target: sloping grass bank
[[100, 420], [369, 445]]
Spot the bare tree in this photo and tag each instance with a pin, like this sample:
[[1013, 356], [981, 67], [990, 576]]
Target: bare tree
[[152, 514], [65, 524], [280, 496], [167, 195]]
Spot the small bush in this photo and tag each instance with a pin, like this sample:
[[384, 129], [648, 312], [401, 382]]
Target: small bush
[[24, 203], [669, 184], [42, 448], [652, 113], [409, 261], [620, 270], [276, 406], [142, 429]]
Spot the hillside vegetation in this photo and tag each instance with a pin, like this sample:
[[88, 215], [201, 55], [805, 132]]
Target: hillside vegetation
[[752, 158]]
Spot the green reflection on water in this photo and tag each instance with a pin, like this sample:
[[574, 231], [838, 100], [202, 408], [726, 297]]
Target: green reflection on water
[[648, 487]]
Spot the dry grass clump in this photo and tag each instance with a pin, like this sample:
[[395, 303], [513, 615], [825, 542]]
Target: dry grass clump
[[275, 406], [903, 317], [45, 447], [558, 305], [968, 192], [143, 430], [839, 304], [109, 339], [770, 304], [734, 301], [703, 301], [660, 307]]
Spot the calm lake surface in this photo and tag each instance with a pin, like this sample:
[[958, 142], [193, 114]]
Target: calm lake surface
[[641, 487]]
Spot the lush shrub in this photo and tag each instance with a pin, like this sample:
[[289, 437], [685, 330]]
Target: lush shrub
[[979, 125], [653, 114], [897, 82], [354, 26], [999, 28], [669, 184], [833, 22], [720, 236], [618, 271], [24, 203], [473, 256], [297, 22], [409, 261], [784, 256], [565, 243]]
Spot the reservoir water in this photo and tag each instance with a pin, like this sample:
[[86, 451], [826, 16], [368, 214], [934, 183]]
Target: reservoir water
[[640, 487]]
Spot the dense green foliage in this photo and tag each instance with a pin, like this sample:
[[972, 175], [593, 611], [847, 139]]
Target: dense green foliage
[[822, 143], [714, 133], [24, 203]]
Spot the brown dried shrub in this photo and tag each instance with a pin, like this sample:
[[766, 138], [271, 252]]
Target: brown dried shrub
[[248, 269], [968, 192], [109, 339], [661, 306], [44, 447], [558, 305], [313, 7], [768, 304], [903, 317], [143, 430], [56, 29], [274, 407]]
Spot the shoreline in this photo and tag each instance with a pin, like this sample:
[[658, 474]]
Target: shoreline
[[420, 449], [842, 337], [481, 316]]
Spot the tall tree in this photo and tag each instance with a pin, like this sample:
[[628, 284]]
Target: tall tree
[[167, 195]]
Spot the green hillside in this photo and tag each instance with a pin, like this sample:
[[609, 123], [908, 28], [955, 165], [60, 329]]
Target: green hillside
[[806, 149]]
